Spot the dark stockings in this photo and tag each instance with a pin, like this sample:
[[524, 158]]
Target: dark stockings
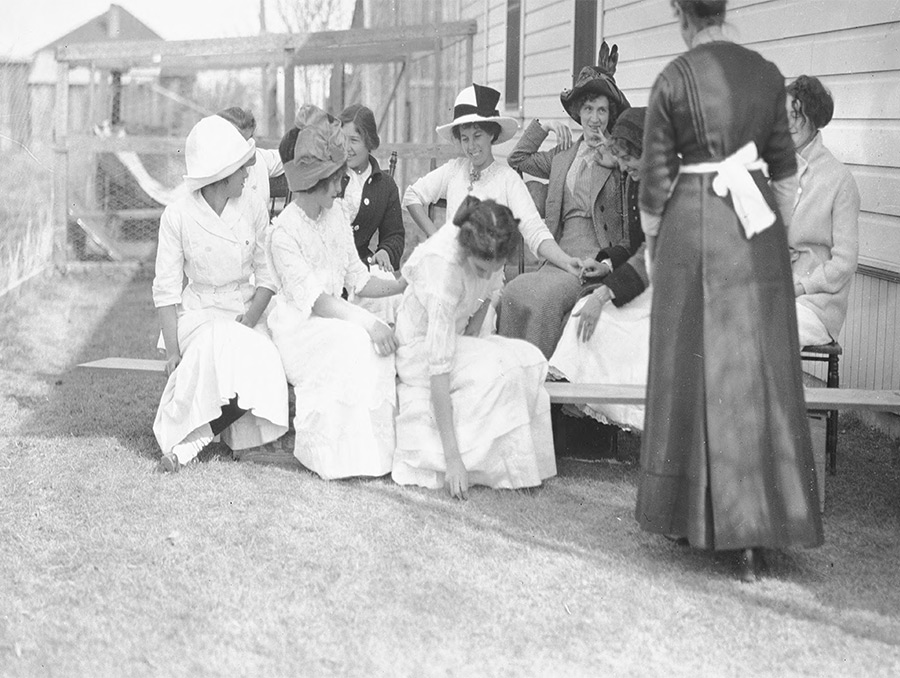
[[230, 414]]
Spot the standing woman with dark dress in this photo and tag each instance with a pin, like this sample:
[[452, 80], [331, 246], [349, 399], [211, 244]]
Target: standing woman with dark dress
[[726, 460]]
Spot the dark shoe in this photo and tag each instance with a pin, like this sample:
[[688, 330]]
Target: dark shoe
[[169, 464], [749, 564]]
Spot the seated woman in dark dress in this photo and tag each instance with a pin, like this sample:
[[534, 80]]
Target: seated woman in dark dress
[[372, 202]]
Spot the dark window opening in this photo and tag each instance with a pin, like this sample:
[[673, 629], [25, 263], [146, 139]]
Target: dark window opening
[[513, 51]]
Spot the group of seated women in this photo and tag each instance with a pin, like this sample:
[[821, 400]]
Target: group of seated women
[[405, 374], [435, 400]]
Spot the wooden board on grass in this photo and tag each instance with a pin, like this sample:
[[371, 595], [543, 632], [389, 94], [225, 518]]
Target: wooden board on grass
[[140, 365]]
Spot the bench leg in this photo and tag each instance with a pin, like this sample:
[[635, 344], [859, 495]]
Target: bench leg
[[831, 422]]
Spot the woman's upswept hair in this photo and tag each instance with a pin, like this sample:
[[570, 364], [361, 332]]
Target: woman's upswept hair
[[704, 12], [487, 229], [286, 151], [239, 117], [811, 100]]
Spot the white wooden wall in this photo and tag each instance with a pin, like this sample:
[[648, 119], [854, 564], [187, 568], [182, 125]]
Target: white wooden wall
[[852, 46]]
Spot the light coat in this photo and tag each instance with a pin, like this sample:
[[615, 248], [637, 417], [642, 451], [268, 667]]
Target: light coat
[[824, 234]]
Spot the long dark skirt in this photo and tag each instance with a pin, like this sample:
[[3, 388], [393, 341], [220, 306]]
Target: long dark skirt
[[726, 457]]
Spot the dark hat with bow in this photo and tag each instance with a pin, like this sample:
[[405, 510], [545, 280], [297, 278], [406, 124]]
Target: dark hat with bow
[[596, 80], [478, 103]]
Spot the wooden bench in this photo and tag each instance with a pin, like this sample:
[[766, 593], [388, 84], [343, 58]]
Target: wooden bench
[[563, 392], [817, 397], [831, 354]]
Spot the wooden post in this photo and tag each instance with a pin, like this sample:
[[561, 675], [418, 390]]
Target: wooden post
[[92, 96], [60, 197], [470, 59], [336, 89], [290, 110], [436, 100]]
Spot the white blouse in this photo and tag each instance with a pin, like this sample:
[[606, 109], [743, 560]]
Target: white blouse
[[224, 257], [268, 164], [315, 257], [441, 297], [497, 182]]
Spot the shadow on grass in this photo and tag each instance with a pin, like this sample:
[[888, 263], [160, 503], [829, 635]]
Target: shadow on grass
[[852, 583], [78, 403]]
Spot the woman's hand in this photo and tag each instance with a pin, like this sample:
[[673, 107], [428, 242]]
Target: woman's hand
[[382, 260], [383, 338], [245, 320], [562, 132], [574, 266], [591, 268], [589, 314], [172, 361], [456, 478]]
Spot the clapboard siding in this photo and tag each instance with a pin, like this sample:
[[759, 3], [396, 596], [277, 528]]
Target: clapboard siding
[[871, 335], [854, 47], [879, 188]]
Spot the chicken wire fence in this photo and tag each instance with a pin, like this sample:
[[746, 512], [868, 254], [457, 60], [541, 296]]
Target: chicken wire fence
[[124, 169], [26, 234]]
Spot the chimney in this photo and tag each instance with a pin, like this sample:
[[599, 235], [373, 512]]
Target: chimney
[[114, 23]]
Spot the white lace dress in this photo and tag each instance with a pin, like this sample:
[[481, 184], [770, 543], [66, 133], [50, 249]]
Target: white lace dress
[[501, 409], [617, 353], [345, 393]]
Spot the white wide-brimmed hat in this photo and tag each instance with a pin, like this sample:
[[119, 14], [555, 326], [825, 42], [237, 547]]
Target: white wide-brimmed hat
[[214, 150], [479, 104]]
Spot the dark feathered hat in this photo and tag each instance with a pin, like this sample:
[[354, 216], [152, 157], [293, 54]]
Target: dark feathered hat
[[596, 80]]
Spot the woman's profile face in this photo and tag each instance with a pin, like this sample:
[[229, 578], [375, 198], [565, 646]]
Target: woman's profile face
[[332, 190], [630, 165], [357, 153], [234, 183], [798, 125]]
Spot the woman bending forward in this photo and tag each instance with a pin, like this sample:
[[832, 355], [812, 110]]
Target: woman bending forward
[[473, 411]]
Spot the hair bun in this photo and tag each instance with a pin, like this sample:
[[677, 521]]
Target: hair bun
[[465, 210]]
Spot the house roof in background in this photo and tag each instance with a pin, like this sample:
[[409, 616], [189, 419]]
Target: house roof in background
[[98, 29]]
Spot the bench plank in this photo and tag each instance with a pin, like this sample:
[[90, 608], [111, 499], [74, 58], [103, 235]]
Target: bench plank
[[140, 365], [563, 392], [817, 398]]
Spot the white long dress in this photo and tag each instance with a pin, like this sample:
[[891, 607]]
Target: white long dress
[[501, 409], [345, 392], [220, 255], [617, 353]]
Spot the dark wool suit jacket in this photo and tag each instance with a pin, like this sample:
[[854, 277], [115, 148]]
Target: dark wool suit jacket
[[379, 211], [629, 275], [554, 165]]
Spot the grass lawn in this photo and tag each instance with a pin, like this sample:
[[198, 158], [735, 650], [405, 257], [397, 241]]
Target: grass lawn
[[235, 568]]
